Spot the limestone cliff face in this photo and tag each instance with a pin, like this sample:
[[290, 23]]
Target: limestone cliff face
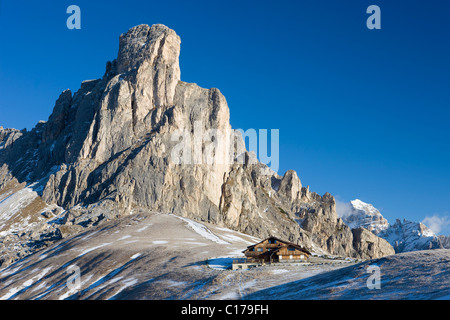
[[140, 138]]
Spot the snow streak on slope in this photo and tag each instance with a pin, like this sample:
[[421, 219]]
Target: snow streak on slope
[[202, 230]]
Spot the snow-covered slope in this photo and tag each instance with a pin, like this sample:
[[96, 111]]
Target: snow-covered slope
[[26, 221], [141, 256], [419, 275], [20, 210], [164, 256], [148, 256], [402, 235]]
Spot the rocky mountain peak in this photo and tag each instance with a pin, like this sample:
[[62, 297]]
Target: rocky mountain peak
[[158, 45], [357, 214]]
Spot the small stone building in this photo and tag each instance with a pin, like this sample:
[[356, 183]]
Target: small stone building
[[273, 249]]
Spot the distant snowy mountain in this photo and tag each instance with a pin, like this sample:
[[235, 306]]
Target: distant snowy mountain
[[360, 214], [410, 236], [403, 235]]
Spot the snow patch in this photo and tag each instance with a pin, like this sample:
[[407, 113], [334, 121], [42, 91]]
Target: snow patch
[[202, 230], [92, 249], [159, 242]]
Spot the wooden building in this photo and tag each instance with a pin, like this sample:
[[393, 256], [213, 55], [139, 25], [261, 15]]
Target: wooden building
[[276, 250]]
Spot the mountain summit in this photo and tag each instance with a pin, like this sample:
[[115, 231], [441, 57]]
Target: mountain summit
[[360, 214], [140, 139]]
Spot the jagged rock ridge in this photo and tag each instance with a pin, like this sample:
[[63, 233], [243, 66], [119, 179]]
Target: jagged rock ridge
[[108, 150], [406, 236]]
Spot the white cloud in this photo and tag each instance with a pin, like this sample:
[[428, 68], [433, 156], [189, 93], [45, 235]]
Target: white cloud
[[343, 209], [436, 223]]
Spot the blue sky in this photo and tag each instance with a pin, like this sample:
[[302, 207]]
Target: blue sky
[[362, 113]]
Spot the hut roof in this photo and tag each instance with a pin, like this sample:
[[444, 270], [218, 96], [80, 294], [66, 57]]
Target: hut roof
[[282, 241]]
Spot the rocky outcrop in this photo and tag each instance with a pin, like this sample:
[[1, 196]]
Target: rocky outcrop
[[140, 138], [370, 245], [445, 241], [7, 137]]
